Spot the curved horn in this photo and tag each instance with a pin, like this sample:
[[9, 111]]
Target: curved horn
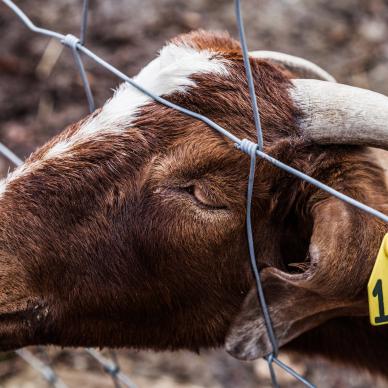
[[301, 67], [341, 114]]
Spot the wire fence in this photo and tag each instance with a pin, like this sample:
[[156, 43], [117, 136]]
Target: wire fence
[[253, 150]]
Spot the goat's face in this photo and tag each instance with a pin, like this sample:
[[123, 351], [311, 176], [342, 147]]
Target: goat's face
[[128, 229]]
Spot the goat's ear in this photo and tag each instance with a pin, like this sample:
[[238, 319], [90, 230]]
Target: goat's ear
[[299, 302], [293, 310]]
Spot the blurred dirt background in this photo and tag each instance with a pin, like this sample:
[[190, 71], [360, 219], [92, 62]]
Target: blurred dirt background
[[41, 92]]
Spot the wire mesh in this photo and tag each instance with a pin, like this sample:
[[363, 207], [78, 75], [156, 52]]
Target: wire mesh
[[42, 367], [253, 150]]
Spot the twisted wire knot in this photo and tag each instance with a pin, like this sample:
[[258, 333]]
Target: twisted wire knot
[[270, 357], [71, 41], [248, 147], [112, 369]]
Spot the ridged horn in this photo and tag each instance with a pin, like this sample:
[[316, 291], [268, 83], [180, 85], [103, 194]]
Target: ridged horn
[[341, 114], [302, 68]]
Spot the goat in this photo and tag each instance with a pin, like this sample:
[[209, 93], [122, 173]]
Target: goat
[[128, 228]]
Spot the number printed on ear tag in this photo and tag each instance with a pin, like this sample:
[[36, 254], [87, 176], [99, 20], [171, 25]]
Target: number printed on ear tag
[[378, 287]]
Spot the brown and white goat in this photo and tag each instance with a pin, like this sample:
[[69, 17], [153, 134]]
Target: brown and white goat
[[128, 229]]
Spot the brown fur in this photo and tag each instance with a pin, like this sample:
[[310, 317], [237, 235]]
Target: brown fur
[[108, 247]]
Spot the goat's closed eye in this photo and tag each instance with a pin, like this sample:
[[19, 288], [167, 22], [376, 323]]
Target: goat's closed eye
[[201, 197]]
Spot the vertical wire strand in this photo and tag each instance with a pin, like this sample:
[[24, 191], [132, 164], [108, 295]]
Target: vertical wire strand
[[252, 149], [252, 255], [256, 273], [77, 58], [84, 22], [272, 373], [248, 71], [84, 78]]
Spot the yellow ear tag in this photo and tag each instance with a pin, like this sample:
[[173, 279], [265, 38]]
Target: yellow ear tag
[[378, 287]]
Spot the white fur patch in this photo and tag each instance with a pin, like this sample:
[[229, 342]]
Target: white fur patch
[[169, 73], [19, 171]]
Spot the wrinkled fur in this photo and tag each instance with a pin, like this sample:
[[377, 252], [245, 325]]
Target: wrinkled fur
[[107, 247]]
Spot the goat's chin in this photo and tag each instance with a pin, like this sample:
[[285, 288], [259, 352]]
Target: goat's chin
[[20, 311], [20, 322], [32, 322]]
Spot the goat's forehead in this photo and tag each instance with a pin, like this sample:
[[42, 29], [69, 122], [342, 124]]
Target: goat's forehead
[[171, 72]]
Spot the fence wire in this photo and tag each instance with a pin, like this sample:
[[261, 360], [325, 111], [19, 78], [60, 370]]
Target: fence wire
[[253, 150], [42, 367]]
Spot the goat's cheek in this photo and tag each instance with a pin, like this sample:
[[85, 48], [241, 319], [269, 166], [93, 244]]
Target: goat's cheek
[[182, 232]]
